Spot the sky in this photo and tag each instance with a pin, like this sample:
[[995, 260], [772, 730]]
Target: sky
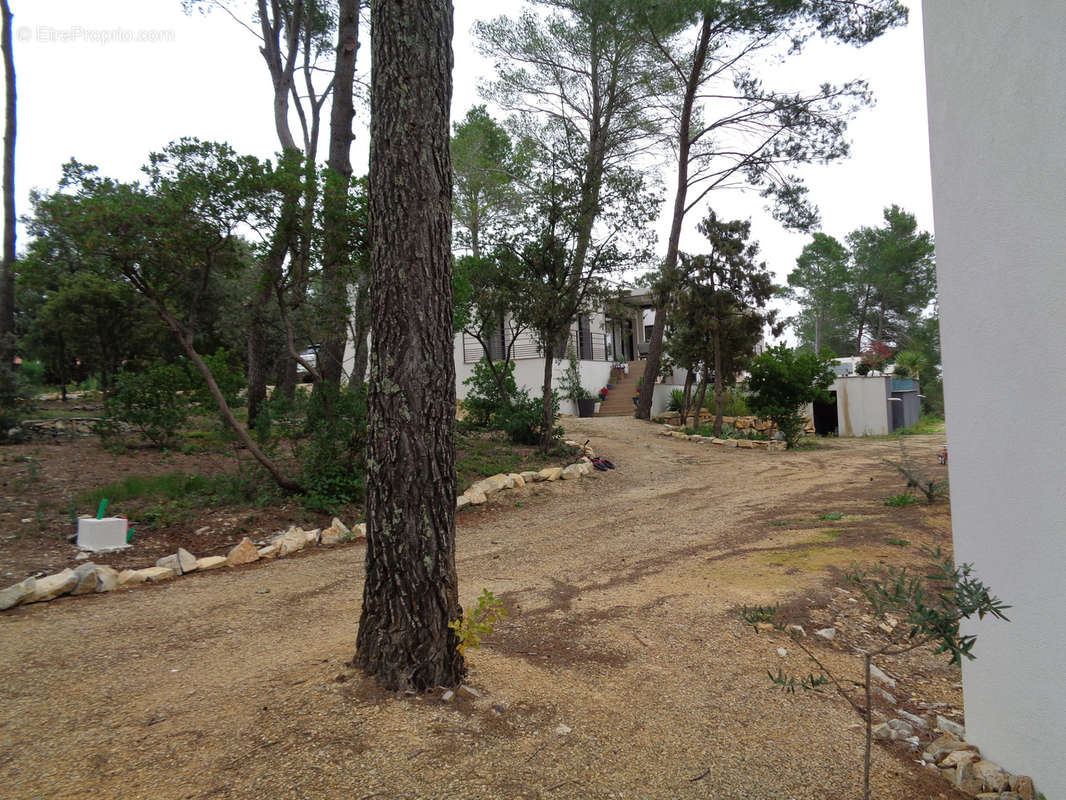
[[108, 83]]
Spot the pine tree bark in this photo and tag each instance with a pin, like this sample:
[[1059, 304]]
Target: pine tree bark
[[411, 589], [335, 258], [7, 274], [684, 143]]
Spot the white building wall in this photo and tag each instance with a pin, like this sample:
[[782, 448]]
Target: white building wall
[[529, 373], [996, 79], [862, 406]]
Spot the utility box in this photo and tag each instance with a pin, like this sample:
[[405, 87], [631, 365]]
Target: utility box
[[108, 533]]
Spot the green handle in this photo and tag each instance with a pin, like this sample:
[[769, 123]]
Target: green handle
[[101, 509]]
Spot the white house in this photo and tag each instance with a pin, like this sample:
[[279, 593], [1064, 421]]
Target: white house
[[997, 116], [599, 340]]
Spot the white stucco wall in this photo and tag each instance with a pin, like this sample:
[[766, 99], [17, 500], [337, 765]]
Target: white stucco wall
[[862, 405], [529, 373], [996, 77]]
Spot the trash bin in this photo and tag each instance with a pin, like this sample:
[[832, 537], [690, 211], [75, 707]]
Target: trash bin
[[586, 406]]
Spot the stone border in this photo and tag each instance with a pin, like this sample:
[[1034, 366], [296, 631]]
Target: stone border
[[744, 444], [89, 578], [482, 490]]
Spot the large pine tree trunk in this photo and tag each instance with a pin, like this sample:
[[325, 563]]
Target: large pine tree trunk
[[547, 417], [335, 258], [361, 330], [719, 387], [411, 591], [260, 359], [684, 141], [7, 274]]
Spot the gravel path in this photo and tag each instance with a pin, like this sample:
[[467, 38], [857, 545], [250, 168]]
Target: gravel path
[[622, 670]]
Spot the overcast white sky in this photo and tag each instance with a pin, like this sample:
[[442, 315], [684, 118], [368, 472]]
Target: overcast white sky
[[109, 82]]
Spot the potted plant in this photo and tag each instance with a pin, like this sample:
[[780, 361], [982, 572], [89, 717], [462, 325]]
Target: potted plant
[[586, 404], [636, 396]]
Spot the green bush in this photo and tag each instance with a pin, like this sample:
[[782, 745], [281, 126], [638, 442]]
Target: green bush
[[734, 404], [14, 402], [228, 372], [570, 383], [781, 381], [31, 374], [152, 401], [333, 455], [677, 398], [483, 399], [523, 421], [158, 400]]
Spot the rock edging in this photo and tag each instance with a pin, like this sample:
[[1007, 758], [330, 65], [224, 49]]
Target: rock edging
[[90, 578], [479, 493], [97, 578], [742, 444]]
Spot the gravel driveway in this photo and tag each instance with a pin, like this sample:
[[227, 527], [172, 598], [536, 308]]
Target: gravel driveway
[[622, 671]]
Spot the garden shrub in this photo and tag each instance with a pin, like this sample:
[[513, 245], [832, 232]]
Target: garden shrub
[[333, 455], [153, 401], [483, 399], [523, 421], [12, 405], [734, 403]]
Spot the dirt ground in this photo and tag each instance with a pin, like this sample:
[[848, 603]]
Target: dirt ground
[[622, 671]]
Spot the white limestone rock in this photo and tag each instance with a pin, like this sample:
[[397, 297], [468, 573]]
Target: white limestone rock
[[572, 472], [107, 578], [293, 541], [878, 675], [211, 562], [475, 496], [950, 726], [913, 719], [53, 586], [181, 562], [87, 579], [244, 553], [18, 593], [130, 577], [336, 533]]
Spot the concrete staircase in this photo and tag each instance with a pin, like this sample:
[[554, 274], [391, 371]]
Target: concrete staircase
[[619, 402]]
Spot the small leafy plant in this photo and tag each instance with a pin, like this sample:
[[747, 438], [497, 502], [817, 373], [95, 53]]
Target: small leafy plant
[[929, 608], [898, 542], [931, 487], [832, 515], [901, 500], [477, 624]]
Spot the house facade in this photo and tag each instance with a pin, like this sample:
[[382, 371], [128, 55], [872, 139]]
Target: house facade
[[599, 339]]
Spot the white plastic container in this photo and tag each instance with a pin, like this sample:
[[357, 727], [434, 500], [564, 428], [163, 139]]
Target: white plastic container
[[108, 533]]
